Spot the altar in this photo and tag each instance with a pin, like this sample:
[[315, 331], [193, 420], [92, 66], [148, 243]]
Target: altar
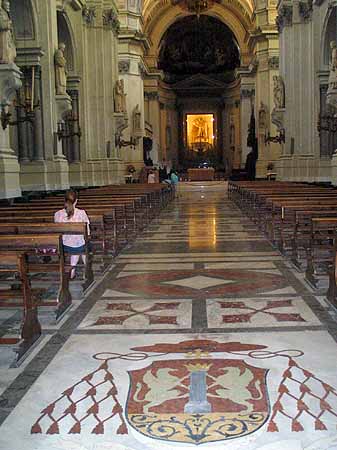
[[203, 174]]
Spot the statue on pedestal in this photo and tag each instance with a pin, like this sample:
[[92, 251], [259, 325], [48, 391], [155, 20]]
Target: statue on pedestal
[[331, 95], [279, 93], [7, 46], [333, 63], [60, 70], [120, 97]]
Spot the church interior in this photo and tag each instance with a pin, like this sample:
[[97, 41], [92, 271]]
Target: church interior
[[168, 232]]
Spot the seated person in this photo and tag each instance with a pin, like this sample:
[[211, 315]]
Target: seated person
[[151, 178], [74, 245]]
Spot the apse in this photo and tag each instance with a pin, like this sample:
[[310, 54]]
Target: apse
[[202, 45]]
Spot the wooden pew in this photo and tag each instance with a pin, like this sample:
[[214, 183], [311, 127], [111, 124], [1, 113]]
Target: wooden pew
[[100, 237], [321, 251], [302, 232], [39, 246], [15, 263], [71, 228], [117, 229]]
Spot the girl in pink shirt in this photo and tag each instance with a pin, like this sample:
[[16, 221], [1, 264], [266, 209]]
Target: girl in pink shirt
[[72, 244]]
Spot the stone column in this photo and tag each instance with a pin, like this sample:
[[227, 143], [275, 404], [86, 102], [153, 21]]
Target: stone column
[[9, 166], [23, 150], [75, 140], [154, 119], [247, 94], [163, 144], [38, 152]]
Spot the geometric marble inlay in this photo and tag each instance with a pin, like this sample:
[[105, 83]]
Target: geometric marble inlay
[[199, 282], [139, 314], [257, 312]]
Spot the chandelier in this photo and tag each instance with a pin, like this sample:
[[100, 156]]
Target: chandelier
[[195, 6]]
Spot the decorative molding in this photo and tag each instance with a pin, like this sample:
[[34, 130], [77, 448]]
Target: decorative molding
[[285, 17], [124, 66], [247, 93], [273, 62], [142, 69], [89, 15], [76, 5], [110, 20], [305, 10], [195, 7], [151, 95]]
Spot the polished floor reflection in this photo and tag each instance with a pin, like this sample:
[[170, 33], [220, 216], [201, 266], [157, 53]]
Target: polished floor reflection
[[200, 334]]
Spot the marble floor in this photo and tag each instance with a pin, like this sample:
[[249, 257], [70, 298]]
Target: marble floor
[[201, 334]]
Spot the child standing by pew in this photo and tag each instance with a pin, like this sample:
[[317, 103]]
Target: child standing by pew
[[74, 245]]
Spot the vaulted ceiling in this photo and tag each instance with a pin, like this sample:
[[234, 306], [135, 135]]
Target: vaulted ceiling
[[160, 15]]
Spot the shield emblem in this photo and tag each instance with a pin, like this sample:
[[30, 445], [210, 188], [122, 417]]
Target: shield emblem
[[197, 400]]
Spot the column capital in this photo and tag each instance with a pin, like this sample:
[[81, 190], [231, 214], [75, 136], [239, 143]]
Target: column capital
[[89, 15], [151, 95], [247, 93], [124, 66], [285, 17]]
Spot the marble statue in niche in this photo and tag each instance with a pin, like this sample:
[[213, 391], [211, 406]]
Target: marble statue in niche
[[279, 92], [119, 97], [60, 70], [7, 46], [136, 119], [333, 63]]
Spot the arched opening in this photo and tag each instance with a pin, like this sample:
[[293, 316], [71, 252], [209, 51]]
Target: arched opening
[[71, 144], [198, 56], [64, 35], [23, 22], [203, 45]]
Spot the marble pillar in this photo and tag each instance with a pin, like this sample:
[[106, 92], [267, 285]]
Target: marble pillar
[[9, 166], [247, 98], [38, 151]]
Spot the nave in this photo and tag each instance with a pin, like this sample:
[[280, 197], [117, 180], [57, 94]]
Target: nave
[[199, 333]]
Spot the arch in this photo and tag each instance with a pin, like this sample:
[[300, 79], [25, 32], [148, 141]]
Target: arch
[[152, 7], [65, 34], [328, 35], [163, 15], [23, 14]]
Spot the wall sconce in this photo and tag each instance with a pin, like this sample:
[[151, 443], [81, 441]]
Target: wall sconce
[[62, 130], [281, 138], [6, 121], [119, 142], [25, 103]]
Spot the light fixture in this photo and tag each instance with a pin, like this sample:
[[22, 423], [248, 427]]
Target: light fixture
[[119, 142], [276, 139], [25, 104], [62, 131]]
